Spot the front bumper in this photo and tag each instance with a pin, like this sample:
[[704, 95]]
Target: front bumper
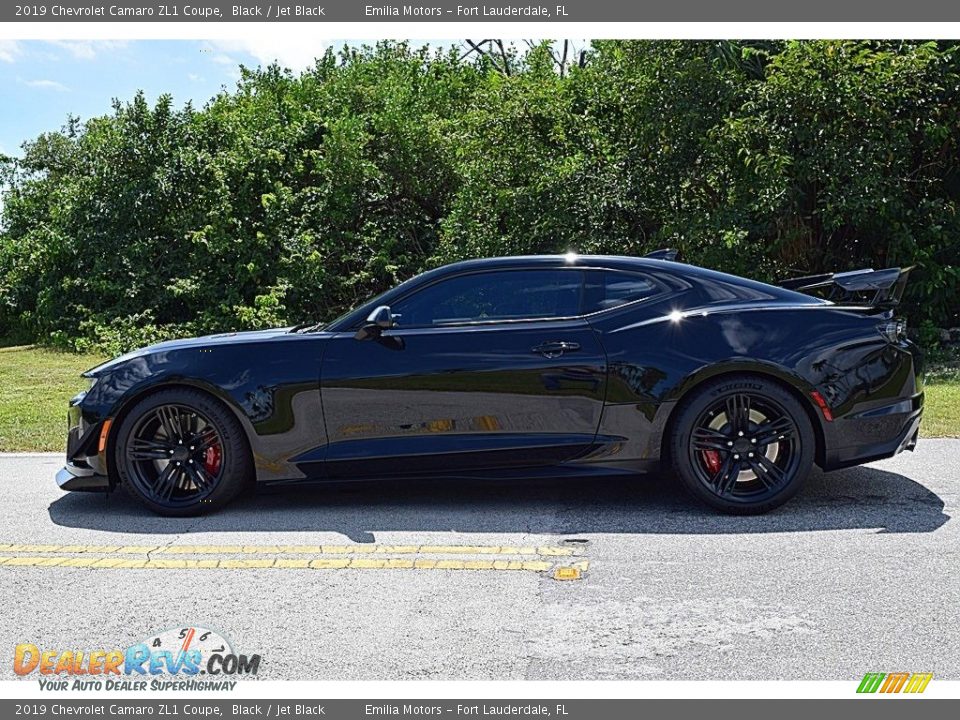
[[85, 469], [76, 478]]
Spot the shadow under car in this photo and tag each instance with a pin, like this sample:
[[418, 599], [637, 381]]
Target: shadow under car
[[856, 498]]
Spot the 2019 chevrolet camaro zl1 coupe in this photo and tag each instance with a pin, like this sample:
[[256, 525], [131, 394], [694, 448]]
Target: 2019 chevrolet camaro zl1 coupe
[[516, 368]]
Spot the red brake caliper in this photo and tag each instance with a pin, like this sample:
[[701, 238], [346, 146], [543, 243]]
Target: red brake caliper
[[712, 459], [212, 459]]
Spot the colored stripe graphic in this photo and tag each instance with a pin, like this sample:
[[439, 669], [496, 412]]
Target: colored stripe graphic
[[894, 682], [918, 682], [871, 682]]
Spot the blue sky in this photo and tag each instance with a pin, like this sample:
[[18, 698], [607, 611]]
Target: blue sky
[[43, 82]]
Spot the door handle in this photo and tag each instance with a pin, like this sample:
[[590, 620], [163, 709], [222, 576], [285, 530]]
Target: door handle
[[555, 348]]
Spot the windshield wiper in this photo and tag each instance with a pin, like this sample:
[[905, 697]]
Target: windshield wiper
[[306, 327]]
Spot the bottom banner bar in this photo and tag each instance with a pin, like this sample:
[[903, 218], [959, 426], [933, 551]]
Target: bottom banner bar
[[615, 709]]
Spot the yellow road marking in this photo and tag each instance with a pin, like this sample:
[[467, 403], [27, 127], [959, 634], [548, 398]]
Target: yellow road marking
[[78, 562], [559, 561], [538, 566], [551, 551], [327, 564]]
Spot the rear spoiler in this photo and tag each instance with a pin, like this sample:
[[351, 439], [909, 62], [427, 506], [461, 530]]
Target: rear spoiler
[[870, 288], [664, 254]]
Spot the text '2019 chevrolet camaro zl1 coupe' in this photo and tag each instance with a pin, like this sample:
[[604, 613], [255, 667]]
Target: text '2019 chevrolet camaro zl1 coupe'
[[516, 368]]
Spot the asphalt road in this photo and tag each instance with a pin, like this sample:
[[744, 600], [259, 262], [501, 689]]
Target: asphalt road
[[857, 574]]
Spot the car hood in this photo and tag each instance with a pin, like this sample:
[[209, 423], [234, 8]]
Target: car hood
[[228, 338]]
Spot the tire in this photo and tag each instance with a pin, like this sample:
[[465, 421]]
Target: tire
[[742, 444], [182, 453]]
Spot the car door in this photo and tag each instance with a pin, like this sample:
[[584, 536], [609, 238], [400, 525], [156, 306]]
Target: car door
[[484, 370]]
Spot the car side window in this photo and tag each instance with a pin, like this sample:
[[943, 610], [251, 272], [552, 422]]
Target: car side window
[[607, 289], [492, 296]]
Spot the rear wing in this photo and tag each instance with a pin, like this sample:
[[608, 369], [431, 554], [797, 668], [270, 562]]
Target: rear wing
[[664, 254], [870, 288]]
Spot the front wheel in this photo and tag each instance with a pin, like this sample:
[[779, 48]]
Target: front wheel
[[182, 453], [743, 445]]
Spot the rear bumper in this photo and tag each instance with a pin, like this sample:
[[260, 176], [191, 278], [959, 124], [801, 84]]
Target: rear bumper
[[881, 433]]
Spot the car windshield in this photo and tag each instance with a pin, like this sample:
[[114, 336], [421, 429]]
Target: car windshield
[[313, 327]]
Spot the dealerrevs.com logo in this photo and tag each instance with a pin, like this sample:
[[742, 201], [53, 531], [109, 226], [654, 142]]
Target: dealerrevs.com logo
[[888, 683], [184, 658]]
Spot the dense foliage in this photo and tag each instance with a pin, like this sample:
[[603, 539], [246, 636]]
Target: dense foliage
[[292, 197]]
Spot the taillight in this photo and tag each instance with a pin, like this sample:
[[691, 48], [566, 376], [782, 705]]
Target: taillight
[[893, 330]]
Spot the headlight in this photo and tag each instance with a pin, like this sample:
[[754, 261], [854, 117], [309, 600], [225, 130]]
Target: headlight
[[78, 398], [893, 330]]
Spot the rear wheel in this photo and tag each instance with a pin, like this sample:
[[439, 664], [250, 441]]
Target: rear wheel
[[181, 453], [743, 445]]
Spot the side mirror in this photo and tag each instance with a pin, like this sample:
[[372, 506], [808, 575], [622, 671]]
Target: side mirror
[[377, 321]]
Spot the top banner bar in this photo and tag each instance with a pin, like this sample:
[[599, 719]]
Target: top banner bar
[[210, 11]]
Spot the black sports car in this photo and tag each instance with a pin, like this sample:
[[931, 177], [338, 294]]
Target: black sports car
[[520, 367]]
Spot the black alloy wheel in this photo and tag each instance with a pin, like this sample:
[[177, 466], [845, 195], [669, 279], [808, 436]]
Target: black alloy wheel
[[743, 445], [182, 453]]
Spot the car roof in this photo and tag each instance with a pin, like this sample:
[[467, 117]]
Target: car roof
[[572, 259], [626, 262], [693, 274]]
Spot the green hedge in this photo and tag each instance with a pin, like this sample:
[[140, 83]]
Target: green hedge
[[290, 198]]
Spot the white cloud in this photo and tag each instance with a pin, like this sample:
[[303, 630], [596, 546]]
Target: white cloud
[[45, 85], [89, 49], [194, 77], [293, 53], [9, 50]]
